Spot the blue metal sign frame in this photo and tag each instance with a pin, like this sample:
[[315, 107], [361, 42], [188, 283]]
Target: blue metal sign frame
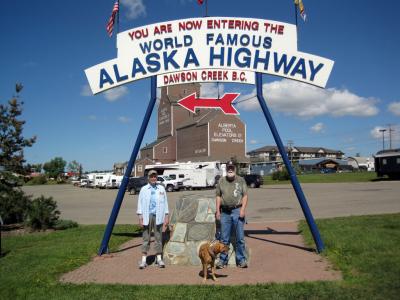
[[121, 192], [293, 178]]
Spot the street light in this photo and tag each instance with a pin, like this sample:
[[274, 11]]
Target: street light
[[383, 138]]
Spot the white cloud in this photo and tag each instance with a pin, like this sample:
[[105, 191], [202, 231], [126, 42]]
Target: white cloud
[[253, 142], [92, 117], [209, 90], [394, 108], [134, 8], [116, 93], [319, 127], [306, 101], [376, 133], [86, 91], [123, 119]]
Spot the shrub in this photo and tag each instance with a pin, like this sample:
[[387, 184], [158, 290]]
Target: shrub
[[281, 175], [14, 205], [64, 224], [42, 214], [41, 179]]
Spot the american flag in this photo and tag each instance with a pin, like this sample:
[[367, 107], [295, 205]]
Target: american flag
[[111, 21]]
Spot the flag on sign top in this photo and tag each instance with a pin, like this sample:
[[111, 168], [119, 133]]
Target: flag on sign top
[[111, 21], [300, 5], [200, 2]]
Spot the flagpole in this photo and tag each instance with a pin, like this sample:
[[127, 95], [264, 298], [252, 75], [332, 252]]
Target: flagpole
[[119, 8], [297, 28]]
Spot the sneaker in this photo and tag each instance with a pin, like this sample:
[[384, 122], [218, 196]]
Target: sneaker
[[160, 263], [242, 265], [142, 265], [220, 265]]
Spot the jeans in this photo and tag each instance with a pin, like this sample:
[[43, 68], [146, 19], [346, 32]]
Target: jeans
[[231, 222]]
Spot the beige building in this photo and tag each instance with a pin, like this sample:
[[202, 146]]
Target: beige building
[[271, 153]]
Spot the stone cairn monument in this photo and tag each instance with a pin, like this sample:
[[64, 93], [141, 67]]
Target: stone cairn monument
[[192, 224]]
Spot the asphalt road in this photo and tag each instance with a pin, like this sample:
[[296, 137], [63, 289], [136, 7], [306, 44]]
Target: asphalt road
[[269, 203]]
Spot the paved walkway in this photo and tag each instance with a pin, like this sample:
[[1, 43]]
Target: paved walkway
[[277, 250]]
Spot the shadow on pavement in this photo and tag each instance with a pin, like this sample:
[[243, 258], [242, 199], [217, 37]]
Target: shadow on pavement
[[249, 233]]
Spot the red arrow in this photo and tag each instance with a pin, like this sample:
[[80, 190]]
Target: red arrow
[[225, 103]]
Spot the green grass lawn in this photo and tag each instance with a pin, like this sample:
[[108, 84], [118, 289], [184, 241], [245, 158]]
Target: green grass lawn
[[328, 178], [365, 249]]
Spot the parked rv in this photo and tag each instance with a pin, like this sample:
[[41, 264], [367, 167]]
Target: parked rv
[[387, 162], [87, 180], [192, 175], [113, 181], [101, 179]]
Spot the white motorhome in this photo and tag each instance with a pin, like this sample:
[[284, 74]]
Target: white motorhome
[[113, 181], [192, 174], [100, 180], [88, 180]]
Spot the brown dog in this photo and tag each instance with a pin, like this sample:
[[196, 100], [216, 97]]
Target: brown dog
[[207, 255]]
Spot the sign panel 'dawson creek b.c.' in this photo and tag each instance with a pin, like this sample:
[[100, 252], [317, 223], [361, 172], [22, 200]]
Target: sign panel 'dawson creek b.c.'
[[213, 49]]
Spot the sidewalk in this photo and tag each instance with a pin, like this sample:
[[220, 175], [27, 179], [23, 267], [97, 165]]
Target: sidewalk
[[277, 250]]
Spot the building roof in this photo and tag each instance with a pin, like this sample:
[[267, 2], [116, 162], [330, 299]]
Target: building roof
[[156, 142], [201, 120], [388, 151], [214, 158], [361, 160], [298, 148], [317, 161]]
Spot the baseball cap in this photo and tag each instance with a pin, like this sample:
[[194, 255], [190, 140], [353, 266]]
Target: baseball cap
[[152, 172], [230, 165]]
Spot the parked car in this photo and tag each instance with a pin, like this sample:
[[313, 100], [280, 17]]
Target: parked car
[[169, 183], [135, 184], [254, 180], [328, 171]]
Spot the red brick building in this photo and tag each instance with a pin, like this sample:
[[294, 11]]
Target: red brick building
[[206, 135]]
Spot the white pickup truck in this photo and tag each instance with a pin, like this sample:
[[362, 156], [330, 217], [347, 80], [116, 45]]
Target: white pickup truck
[[169, 183]]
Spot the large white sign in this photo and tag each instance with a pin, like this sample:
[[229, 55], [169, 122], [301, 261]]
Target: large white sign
[[212, 49]]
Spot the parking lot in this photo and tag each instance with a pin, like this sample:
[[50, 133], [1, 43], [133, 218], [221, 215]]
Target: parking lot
[[268, 203]]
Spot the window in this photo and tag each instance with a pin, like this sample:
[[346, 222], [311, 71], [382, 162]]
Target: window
[[173, 176], [165, 149], [398, 160], [181, 175], [384, 161], [140, 168]]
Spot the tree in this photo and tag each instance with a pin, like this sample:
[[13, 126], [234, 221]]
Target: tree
[[12, 143], [14, 204], [54, 167], [75, 167]]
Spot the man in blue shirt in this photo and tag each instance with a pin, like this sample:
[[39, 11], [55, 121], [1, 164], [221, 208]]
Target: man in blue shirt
[[153, 212]]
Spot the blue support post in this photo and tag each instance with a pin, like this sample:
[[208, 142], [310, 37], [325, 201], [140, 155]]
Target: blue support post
[[293, 178], [121, 192]]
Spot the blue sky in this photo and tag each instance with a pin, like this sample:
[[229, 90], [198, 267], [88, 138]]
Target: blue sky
[[46, 45]]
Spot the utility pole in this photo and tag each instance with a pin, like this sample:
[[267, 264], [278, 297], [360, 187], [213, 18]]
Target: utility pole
[[390, 135], [290, 144], [383, 138]]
